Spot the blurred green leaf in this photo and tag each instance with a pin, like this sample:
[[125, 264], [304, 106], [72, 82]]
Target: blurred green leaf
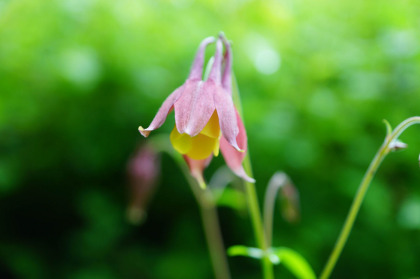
[[294, 262], [231, 198], [291, 259], [240, 250], [255, 253], [409, 214]]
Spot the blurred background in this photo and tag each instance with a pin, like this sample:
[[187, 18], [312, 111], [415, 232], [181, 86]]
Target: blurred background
[[77, 77]]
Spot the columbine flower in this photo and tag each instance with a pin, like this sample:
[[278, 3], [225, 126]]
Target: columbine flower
[[206, 119], [142, 170]]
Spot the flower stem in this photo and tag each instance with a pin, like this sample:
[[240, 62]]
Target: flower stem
[[211, 226], [208, 210], [361, 192], [213, 235], [255, 213], [252, 199], [278, 181]]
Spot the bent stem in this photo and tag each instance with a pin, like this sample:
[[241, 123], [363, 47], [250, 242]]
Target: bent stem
[[278, 181], [208, 211], [252, 200], [386, 147]]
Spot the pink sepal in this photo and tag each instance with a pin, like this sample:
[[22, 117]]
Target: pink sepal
[[233, 157], [197, 167], [195, 107], [197, 104], [163, 111], [191, 88], [227, 118], [227, 71]]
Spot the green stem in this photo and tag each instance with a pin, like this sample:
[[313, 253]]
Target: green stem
[[252, 199], [364, 185], [211, 226], [213, 235], [278, 181], [208, 211], [255, 213]]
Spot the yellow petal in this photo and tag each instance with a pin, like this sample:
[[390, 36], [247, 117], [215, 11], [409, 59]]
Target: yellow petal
[[212, 129], [216, 148], [181, 142], [202, 146]]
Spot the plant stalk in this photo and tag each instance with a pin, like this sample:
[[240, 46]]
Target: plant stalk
[[211, 226], [208, 210], [255, 214], [252, 199], [213, 235], [361, 192]]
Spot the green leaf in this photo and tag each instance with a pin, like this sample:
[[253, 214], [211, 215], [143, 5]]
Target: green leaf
[[255, 253], [240, 250], [294, 262], [232, 198], [291, 259]]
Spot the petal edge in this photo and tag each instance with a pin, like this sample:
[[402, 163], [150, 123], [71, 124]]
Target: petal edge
[[162, 113]]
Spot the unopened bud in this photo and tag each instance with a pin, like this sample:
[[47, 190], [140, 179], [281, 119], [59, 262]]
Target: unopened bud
[[397, 145], [290, 203], [143, 170], [281, 186]]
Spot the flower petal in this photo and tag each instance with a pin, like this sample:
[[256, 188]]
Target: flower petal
[[181, 142], [202, 147], [163, 111], [227, 72], [227, 116], [199, 147], [215, 72], [233, 157], [212, 128], [196, 168], [195, 107], [196, 72]]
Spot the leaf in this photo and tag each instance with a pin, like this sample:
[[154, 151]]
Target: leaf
[[294, 262], [291, 259], [255, 253], [232, 198], [240, 250]]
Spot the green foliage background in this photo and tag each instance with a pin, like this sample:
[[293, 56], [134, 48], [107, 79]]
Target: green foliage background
[[77, 77]]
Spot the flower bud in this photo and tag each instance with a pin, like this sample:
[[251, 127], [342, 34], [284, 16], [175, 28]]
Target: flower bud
[[143, 170], [397, 145], [290, 203]]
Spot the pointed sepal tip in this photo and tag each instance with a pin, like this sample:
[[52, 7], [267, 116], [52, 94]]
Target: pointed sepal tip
[[143, 132]]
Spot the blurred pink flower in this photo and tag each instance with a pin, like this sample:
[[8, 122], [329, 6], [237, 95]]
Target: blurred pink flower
[[143, 170], [205, 116]]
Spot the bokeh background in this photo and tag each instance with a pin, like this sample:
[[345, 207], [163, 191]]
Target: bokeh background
[[77, 77]]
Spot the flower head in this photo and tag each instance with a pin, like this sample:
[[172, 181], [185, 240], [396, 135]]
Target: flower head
[[142, 170], [206, 119]]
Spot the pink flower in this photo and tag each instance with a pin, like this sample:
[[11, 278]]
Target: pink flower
[[205, 116], [142, 170]]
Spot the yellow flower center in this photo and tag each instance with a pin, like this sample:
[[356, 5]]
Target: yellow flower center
[[202, 145]]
